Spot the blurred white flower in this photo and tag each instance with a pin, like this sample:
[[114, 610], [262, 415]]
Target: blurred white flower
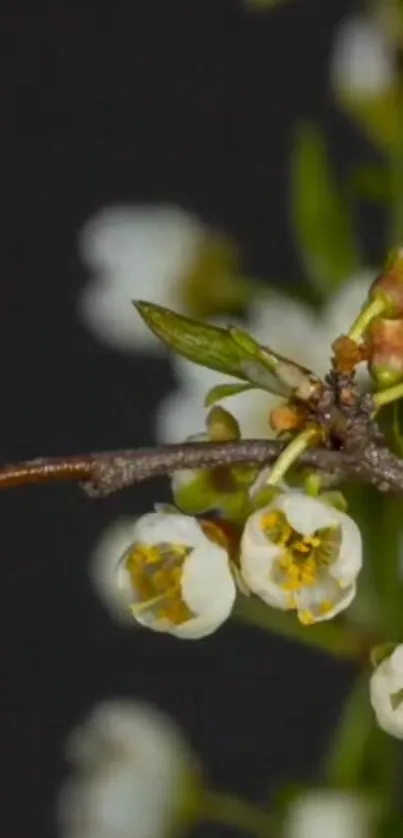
[[362, 64], [329, 814], [131, 773], [166, 570], [298, 553], [134, 252], [290, 328], [386, 690]]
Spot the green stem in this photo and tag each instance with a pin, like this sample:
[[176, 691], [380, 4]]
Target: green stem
[[290, 454], [230, 810], [361, 323], [396, 171], [392, 394], [345, 761], [336, 638]]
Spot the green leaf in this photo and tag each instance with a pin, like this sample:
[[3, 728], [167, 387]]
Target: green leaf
[[320, 214], [224, 391], [292, 375], [212, 347]]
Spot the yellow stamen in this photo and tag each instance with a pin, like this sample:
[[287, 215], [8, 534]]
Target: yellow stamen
[[306, 617], [302, 546], [156, 571], [326, 606], [270, 520], [312, 540]]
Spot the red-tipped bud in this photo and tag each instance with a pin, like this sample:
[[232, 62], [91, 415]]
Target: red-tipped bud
[[286, 417], [388, 287], [385, 349]]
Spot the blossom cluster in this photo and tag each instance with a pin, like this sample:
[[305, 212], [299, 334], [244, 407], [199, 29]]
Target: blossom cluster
[[177, 573]]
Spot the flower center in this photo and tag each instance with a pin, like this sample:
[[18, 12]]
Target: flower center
[[304, 558], [155, 571]]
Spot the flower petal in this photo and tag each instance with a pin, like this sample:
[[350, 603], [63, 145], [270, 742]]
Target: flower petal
[[130, 763], [387, 682], [362, 63], [330, 813], [129, 249], [111, 582]]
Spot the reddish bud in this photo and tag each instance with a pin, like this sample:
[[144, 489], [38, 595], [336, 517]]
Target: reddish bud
[[385, 348], [388, 287], [286, 418]]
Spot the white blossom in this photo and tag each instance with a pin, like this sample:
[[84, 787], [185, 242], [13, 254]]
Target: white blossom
[[134, 253], [290, 328], [298, 553], [169, 571], [130, 771], [329, 813], [386, 690], [362, 64]]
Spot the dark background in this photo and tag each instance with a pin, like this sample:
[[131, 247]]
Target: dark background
[[186, 102]]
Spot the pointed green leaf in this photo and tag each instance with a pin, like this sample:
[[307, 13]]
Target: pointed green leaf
[[321, 217], [292, 376], [224, 391], [211, 346]]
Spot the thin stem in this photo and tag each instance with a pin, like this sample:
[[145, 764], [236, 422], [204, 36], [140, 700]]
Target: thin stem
[[290, 454], [392, 394], [106, 472], [227, 809], [361, 323]]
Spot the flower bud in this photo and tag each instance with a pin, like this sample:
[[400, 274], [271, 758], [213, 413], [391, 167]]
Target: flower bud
[[385, 347], [386, 690], [286, 417], [168, 571], [222, 425], [132, 775], [388, 287], [298, 553]]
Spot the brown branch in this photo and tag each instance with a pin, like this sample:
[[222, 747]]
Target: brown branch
[[107, 472]]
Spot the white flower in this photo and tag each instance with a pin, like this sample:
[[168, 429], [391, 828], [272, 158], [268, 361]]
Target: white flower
[[329, 814], [134, 252], [290, 328], [362, 63], [386, 691], [131, 768], [299, 553], [168, 571]]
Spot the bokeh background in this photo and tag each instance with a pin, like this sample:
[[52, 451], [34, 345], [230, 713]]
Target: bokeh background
[[193, 104]]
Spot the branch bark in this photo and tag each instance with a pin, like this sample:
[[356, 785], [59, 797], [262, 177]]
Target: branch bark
[[103, 473]]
